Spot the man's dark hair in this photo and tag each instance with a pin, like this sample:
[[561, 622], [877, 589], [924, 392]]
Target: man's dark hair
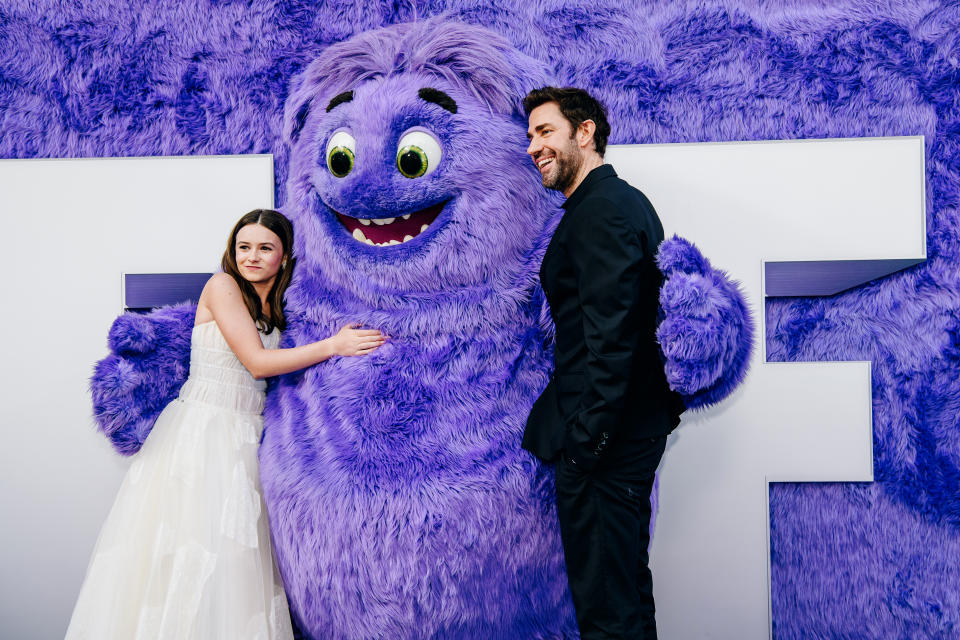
[[577, 106]]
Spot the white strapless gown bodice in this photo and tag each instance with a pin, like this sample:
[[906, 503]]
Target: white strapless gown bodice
[[185, 552]]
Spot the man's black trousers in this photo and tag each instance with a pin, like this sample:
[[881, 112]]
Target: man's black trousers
[[604, 521]]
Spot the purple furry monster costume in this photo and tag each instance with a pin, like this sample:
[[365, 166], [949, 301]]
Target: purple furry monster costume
[[401, 504]]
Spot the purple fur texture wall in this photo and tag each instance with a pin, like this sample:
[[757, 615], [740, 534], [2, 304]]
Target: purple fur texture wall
[[849, 561]]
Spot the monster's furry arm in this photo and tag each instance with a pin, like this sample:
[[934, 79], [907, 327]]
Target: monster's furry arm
[[148, 363], [707, 330]]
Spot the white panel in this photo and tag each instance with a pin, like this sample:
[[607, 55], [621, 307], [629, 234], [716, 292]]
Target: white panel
[[743, 203], [71, 227]]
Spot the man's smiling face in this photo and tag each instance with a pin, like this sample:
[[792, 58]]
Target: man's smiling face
[[552, 147]]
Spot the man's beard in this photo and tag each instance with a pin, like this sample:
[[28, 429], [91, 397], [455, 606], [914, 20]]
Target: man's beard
[[567, 168]]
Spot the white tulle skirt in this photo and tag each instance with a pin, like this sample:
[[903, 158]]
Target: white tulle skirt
[[185, 552]]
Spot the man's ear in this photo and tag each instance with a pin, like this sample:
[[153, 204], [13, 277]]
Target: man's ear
[[585, 134]]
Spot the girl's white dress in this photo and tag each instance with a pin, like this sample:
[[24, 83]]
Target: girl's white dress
[[185, 552]]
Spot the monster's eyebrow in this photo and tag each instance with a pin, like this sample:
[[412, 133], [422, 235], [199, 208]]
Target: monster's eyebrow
[[438, 97], [339, 99]]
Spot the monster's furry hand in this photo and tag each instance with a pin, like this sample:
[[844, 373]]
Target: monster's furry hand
[[148, 363], [706, 332]]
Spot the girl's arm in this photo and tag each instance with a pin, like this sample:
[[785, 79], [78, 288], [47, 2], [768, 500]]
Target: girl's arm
[[222, 298]]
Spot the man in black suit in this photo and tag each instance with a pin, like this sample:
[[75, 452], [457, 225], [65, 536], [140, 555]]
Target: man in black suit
[[606, 413]]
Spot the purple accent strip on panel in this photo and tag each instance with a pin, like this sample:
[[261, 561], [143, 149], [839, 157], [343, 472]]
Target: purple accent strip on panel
[[826, 277], [149, 290]]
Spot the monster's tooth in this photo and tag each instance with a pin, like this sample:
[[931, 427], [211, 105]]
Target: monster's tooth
[[364, 221], [424, 228], [370, 242], [358, 235], [406, 217], [405, 238], [383, 220], [392, 242]]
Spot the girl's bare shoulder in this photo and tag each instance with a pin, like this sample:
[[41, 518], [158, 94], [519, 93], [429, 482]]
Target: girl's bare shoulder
[[218, 289], [221, 281]]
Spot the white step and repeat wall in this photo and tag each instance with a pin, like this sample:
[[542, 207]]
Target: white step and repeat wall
[[73, 226], [70, 229], [745, 204]]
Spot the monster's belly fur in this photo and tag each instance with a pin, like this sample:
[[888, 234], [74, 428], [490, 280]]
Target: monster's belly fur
[[401, 502]]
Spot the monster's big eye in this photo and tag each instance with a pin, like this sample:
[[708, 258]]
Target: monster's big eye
[[340, 152], [418, 154]]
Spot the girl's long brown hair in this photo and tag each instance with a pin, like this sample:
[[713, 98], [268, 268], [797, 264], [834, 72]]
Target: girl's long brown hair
[[278, 223]]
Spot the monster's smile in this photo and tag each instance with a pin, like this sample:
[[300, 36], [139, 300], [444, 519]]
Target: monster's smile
[[383, 232]]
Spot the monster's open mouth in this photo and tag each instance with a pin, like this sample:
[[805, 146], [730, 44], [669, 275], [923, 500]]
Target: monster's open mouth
[[382, 232]]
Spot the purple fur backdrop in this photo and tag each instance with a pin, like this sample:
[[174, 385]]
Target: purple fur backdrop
[[848, 561]]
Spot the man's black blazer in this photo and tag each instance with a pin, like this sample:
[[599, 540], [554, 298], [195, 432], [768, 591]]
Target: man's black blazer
[[609, 392]]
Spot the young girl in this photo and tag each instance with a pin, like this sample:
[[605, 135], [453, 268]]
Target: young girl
[[185, 552]]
